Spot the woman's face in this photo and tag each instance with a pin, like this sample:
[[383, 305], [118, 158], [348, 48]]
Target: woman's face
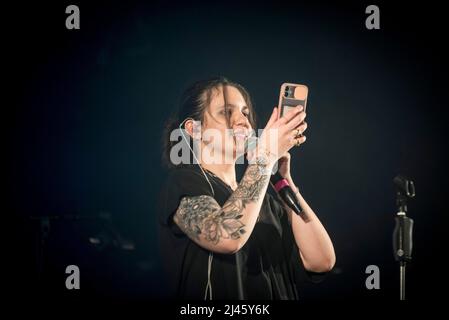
[[220, 142]]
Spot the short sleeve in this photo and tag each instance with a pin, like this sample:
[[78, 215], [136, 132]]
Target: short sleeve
[[181, 182]]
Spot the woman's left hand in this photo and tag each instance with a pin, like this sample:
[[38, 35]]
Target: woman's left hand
[[284, 161]]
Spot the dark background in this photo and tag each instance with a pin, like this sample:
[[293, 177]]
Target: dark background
[[85, 121]]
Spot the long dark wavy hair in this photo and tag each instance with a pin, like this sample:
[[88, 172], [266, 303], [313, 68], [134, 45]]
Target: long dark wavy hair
[[194, 103]]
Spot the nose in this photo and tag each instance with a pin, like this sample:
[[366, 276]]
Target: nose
[[239, 119]]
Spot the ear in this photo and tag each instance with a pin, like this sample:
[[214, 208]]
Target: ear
[[193, 128]]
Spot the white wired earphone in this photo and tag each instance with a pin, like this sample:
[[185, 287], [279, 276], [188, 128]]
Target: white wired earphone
[[211, 255]]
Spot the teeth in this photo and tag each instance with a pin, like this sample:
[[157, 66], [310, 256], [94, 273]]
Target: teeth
[[240, 133]]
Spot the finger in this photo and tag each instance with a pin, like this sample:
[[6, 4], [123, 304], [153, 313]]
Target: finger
[[300, 140], [273, 118], [296, 121], [302, 127], [290, 115]]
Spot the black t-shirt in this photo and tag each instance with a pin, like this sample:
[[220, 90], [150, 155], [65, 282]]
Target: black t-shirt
[[268, 266]]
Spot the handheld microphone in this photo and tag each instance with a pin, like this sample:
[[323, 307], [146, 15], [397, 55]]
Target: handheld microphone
[[285, 192]]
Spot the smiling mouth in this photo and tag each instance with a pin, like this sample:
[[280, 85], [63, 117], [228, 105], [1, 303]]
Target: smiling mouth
[[240, 139], [240, 134]]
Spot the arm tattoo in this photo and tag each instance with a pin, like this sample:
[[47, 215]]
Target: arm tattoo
[[203, 215]]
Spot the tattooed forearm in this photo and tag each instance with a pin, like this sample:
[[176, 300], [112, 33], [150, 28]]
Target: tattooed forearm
[[252, 184], [202, 215]]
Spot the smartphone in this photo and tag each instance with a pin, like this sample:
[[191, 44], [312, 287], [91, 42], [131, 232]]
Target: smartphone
[[292, 95]]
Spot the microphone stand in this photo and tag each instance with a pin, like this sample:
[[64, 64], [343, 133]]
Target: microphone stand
[[403, 231]]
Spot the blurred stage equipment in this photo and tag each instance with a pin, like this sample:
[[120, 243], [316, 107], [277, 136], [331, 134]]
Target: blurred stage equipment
[[103, 236]]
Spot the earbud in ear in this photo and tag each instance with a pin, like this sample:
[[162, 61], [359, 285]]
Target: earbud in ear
[[195, 130]]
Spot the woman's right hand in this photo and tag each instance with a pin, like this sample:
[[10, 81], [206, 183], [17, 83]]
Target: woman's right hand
[[279, 134]]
